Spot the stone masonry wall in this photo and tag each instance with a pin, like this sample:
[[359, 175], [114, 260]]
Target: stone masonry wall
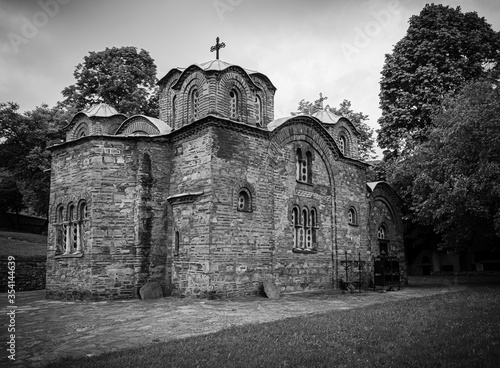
[[189, 216], [103, 172], [241, 243]]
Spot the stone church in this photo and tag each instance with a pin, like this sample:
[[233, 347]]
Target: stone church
[[214, 197]]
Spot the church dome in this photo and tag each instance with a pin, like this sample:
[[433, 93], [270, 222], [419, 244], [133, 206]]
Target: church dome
[[216, 88]]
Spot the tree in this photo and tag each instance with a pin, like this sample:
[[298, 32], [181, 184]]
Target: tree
[[453, 179], [366, 141], [23, 155], [443, 48], [124, 78]]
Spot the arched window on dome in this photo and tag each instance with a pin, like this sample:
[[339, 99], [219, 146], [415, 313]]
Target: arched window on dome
[[81, 131], [174, 112], [233, 104], [194, 105], [258, 111], [343, 144]]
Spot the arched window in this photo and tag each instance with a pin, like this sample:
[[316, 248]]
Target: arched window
[[309, 166], [258, 111], [194, 104], [233, 104], [342, 144], [352, 217], [304, 166], [174, 102], [296, 226], [314, 225], [305, 225], [81, 131], [382, 232], [382, 240], [59, 226], [244, 200], [72, 231]]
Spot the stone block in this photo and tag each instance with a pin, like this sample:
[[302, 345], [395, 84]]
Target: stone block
[[271, 290], [152, 290]]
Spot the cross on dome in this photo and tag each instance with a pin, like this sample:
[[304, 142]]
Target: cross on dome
[[217, 47], [321, 99]]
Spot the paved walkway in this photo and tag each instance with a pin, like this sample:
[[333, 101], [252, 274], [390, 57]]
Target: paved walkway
[[47, 330]]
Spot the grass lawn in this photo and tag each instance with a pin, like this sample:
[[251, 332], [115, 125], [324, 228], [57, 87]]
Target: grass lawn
[[460, 329], [22, 244]]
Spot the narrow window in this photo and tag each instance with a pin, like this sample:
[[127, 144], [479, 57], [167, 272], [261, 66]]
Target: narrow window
[[381, 233], [352, 217], [314, 225], [194, 105], [298, 162], [174, 101], [307, 243], [176, 243], [60, 230], [382, 240], [304, 165], [296, 227], [233, 106], [258, 111], [309, 166], [342, 144], [71, 230], [244, 200]]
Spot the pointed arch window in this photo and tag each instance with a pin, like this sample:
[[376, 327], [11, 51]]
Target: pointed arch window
[[233, 104]]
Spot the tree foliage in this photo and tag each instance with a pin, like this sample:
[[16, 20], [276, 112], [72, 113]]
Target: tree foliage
[[124, 78], [453, 179], [366, 140], [442, 49], [23, 155]]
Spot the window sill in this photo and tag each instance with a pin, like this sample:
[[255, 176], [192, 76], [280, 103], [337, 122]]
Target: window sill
[[352, 224], [304, 250], [71, 255], [304, 183]]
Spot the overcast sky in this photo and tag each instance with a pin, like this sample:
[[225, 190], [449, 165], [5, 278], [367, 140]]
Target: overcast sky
[[335, 47]]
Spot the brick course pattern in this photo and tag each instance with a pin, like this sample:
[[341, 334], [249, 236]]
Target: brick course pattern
[[165, 208]]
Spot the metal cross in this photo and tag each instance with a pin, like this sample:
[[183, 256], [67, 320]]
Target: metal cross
[[217, 47], [321, 99]]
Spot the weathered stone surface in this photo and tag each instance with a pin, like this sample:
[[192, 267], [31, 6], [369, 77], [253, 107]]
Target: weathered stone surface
[[151, 290], [271, 290]]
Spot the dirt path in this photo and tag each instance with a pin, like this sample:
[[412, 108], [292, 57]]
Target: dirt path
[[47, 330]]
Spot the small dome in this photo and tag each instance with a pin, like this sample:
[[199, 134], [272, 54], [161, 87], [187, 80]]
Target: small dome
[[326, 117], [143, 125], [101, 110]]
